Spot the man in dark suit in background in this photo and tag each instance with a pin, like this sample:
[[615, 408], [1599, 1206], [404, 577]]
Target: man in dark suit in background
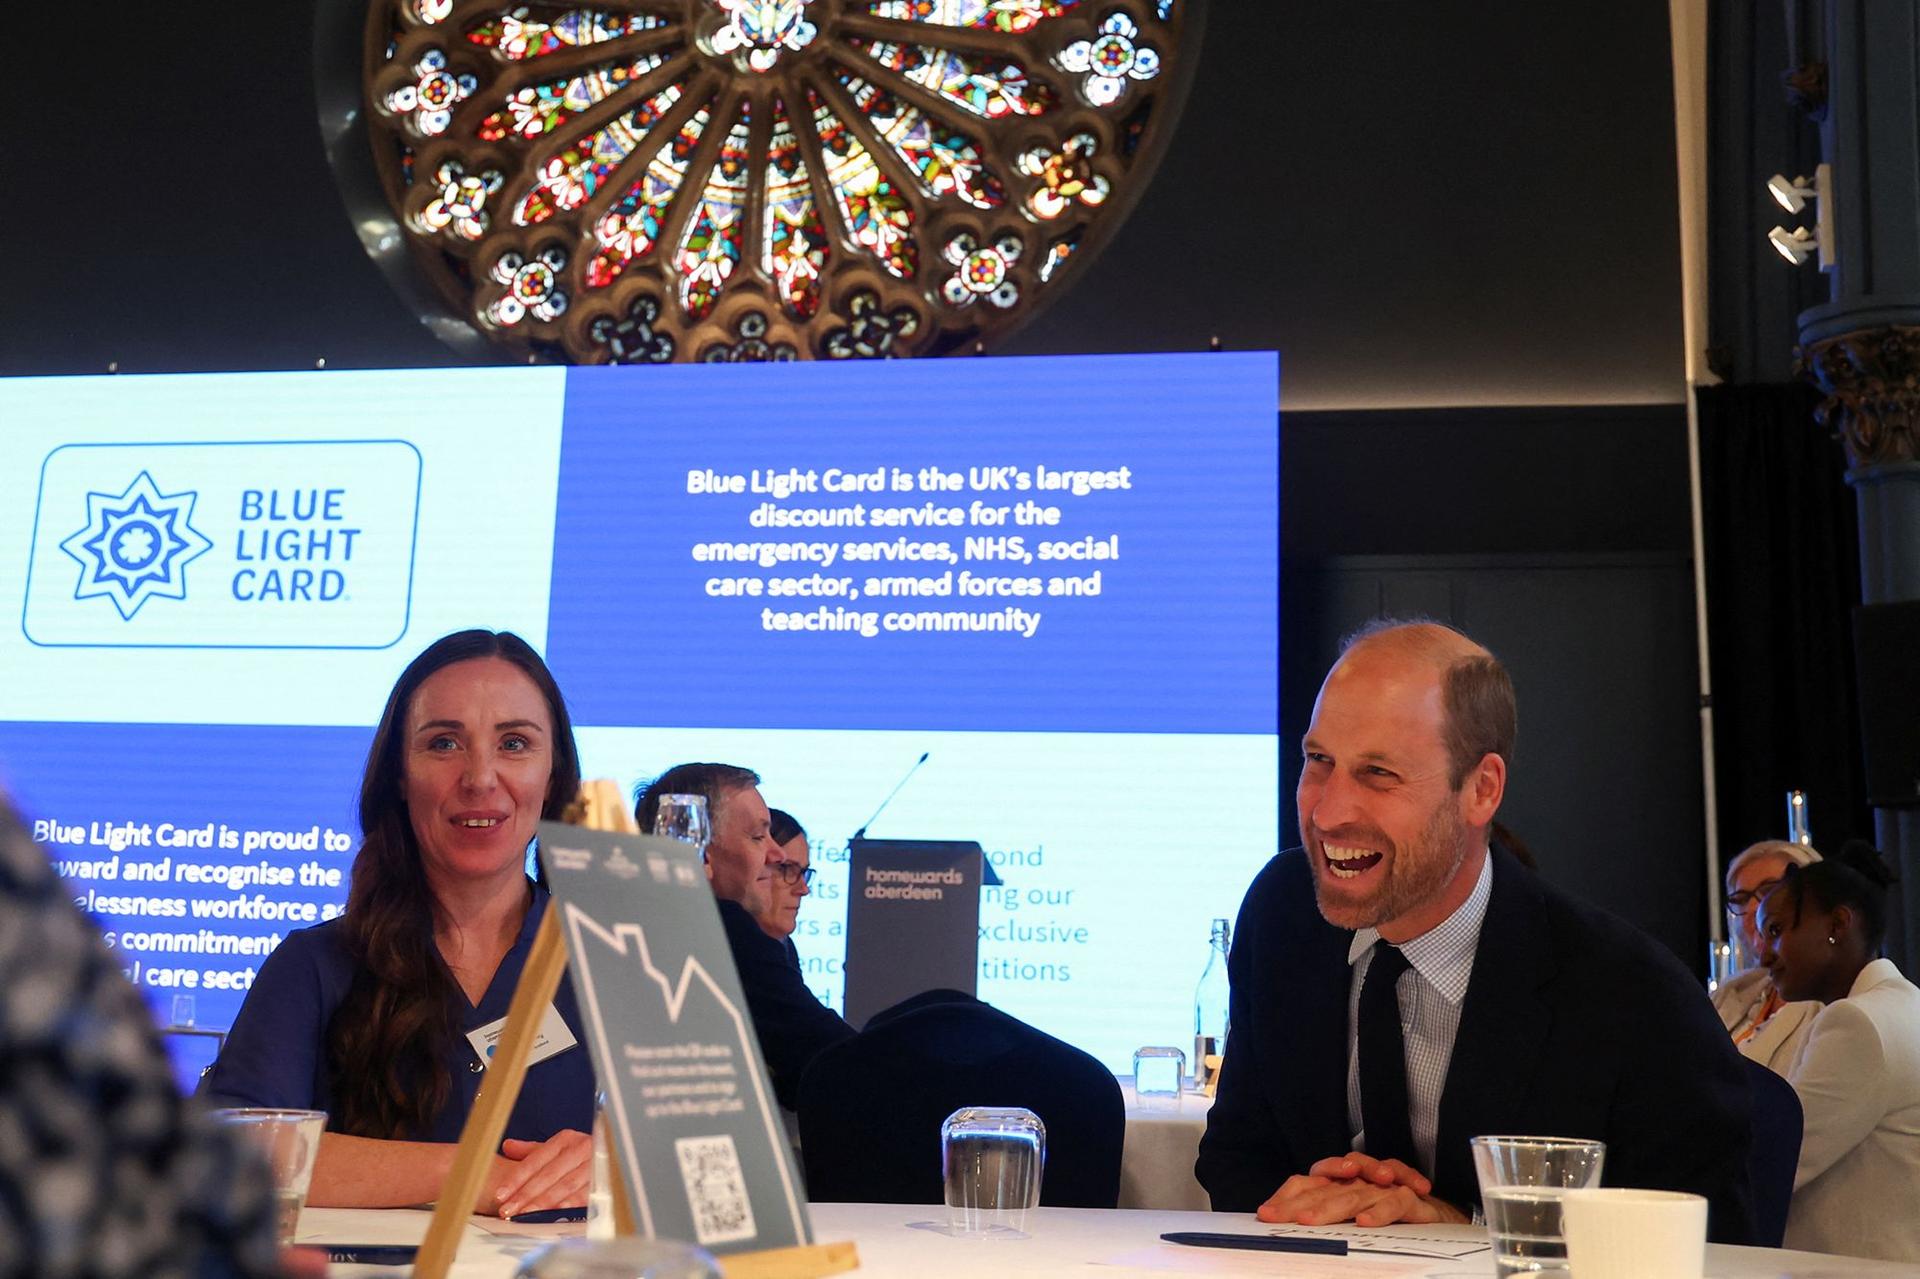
[[792, 1025], [1397, 989]]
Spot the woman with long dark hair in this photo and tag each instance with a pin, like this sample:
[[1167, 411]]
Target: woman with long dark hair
[[1857, 1188], [382, 1016]]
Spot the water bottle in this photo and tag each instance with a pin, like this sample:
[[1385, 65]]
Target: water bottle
[[1798, 831], [1210, 1009]]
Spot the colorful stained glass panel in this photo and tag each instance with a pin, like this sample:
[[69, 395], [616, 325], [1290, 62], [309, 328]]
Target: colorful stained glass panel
[[568, 179], [975, 84], [875, 214], [525, 33], [1111, 60], [1057, 254], [541, 108], [945, 162], [757, 31], [1010, 16], [794, 246], [631, 227], [710, 246]]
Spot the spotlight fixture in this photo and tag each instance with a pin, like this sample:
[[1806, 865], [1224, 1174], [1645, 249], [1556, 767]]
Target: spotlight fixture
[[1791, 194], [1795, 195], [1796, 246]]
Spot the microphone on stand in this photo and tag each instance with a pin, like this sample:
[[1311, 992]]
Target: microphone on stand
[[862, 832]]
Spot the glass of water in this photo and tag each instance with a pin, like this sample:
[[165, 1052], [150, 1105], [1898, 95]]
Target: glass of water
[[991, 1159], [1156, 1076], [288, 1139], [1523, 1181], [600, 1175], [1722, 964], [631, 1258], [684, 817]]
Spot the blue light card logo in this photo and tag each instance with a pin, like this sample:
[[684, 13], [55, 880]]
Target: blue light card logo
[[136, 545], [256, 544]]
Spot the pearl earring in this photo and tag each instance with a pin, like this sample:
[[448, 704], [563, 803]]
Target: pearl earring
[[1832, 940]]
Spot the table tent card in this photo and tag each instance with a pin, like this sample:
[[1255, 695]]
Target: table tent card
[[695, 1126], [913, 921]]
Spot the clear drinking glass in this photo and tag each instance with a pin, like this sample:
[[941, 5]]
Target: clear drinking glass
[[289, 1139], [992, 1159], [684, 817], [1522, 1183], [1722, 963], [1157, 1073], [632, 1258], [600, 1175]]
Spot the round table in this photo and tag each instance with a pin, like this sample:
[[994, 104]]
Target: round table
[[895, 1240]]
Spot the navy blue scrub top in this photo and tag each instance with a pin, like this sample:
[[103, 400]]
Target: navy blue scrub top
[[275, 1054]]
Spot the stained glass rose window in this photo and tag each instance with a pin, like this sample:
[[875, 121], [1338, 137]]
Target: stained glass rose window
[[666, 180]]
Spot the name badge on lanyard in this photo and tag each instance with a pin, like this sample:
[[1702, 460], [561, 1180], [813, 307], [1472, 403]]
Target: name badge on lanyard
[[552, 1038]]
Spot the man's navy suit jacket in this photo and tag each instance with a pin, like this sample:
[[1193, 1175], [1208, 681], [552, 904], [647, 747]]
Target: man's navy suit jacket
[[793, 1026], [1575, 1024]]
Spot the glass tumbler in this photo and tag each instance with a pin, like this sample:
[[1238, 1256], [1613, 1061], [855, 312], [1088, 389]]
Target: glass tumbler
[[1156, 1075], [1523, 1182], [991, 1161], [632, 1258], [288, 1139], [685, 818]]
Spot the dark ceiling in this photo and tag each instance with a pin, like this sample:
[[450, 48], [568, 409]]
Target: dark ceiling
[[1416, 203]]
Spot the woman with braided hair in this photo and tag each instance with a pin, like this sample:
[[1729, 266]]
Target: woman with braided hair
[[1857, 1188]]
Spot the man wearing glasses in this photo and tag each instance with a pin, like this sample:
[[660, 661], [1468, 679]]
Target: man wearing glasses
[[1764, 1026], [748, 873]]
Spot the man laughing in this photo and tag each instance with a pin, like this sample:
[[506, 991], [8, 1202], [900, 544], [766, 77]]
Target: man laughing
[[1496, 1003]]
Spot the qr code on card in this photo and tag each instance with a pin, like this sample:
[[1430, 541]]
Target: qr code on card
[[716, 1189]]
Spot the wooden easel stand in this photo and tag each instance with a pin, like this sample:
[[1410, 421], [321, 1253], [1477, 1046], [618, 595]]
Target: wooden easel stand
[[604, 809]]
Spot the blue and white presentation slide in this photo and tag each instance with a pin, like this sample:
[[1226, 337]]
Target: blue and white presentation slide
[[1058, 579]]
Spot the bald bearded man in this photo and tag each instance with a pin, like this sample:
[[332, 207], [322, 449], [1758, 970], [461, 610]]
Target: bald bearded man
[[1499, 1004]]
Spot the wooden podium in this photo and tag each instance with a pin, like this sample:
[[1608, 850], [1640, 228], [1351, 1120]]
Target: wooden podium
[[601, 806]]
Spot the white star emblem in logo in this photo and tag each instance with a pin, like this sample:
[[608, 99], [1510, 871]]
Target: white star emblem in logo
[[136, 545]]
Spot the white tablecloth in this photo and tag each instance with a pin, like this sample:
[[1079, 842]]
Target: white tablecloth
[[1064, 1241], [1163, 1136]]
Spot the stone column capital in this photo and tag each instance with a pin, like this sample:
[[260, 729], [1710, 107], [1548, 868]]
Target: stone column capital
[[1871, 382]]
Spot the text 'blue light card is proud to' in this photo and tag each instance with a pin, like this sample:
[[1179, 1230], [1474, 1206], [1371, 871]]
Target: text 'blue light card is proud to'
[[695, 1125]]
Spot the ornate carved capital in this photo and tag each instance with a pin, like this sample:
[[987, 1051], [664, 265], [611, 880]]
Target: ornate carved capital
[[1871, 378]]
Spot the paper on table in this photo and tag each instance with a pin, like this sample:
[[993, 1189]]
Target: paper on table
[[364, 1225], [1168, 1258], [530, 1229], [1390, 1238]]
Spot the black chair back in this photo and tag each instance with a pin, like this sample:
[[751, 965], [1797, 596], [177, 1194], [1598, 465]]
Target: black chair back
[[1778, 1124], [192, 1053], [871, 1107]]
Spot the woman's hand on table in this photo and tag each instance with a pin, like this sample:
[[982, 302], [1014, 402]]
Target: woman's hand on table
[[534, 1176], [303, 1263]]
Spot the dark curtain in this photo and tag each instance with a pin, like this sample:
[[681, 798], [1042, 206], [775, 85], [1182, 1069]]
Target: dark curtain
[[1783, 573]]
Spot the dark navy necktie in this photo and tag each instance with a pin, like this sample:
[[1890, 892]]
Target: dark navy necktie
[[1384, 1111]]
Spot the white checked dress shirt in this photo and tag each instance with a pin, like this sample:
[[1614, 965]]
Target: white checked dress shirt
[[1430, 993]]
